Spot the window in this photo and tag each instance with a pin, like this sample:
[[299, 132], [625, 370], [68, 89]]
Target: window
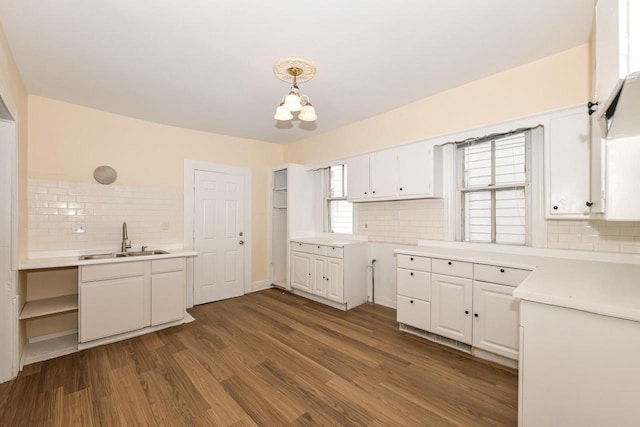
[[493, 186], [339, 218]]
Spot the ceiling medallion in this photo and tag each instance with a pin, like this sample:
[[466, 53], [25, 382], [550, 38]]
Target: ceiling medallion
[[295, 70]]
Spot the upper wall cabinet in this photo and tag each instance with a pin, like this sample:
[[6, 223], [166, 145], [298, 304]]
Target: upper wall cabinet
[[567, 157], [617, 43], [410, 172]]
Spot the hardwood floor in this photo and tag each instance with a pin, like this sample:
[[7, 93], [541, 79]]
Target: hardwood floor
[[266, 359]]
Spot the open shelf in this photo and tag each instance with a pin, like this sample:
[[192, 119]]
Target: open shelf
[[46, 306], [279, 207], [280, 189], [58, 345]]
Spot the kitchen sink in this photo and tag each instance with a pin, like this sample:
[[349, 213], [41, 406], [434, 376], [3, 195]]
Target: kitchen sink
[[122, 254]]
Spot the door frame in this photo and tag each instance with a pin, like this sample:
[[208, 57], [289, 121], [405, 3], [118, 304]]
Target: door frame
[[190, 166], [9, 117]]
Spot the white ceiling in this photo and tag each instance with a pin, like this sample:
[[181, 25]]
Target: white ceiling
[[207, 64]]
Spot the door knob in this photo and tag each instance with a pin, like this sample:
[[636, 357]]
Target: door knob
[[241, 242]]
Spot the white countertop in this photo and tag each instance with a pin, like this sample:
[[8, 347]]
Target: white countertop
[[74, 261], [327, 241], [607, 288]]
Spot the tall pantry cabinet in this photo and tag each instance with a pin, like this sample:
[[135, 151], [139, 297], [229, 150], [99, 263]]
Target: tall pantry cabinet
[[294, 205]]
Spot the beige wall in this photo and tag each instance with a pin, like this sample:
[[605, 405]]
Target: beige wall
[[14, 94], [67, 142], [553, 82]]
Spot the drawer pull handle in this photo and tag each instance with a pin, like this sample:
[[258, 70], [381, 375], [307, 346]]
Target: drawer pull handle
[[411, 301], [299, 244], [318, 247], [327, 279], [449, 263], [411, 258], [502, 270], [309, 274], [476, 314]]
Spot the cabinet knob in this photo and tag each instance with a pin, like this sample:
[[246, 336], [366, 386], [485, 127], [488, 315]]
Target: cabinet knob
[[318, 247], [365, 192], [299, 244], [309, 274], [411, 273], [476, 314], [327, 279], [323, 277], [411, 258], [400, 188], [466, 312], [589, 204], [411, 301], [373, 192], [449, 263], [502, 270], [555, 208]]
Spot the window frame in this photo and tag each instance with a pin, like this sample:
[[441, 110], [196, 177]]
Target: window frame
[[328, 199], [461, 191]]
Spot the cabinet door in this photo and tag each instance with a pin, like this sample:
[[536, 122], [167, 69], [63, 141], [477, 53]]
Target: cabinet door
[[167, 297], [612, 48], [495, 319], [451, 304], [358, 178], [383, 173], [335, 282], [301, 271], [569, 161], [110, 307], [415, 170], [319, 276]]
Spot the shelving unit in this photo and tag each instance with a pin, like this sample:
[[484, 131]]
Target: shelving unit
[[279, 220], [49, 315]]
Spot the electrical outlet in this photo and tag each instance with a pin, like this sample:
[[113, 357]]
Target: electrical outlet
[[165, 225], [78, 227]]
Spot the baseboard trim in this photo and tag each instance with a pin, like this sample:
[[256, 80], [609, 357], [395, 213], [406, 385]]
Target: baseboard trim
[[260, 285]]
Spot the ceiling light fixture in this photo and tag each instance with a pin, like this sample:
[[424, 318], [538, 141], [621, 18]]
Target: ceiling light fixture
[[295, 70]]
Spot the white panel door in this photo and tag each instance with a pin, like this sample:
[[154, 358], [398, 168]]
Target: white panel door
[[451, 304], [319, 276], [496, 319], [383, 173], [415, 170], [358, 178], [218, 236], [301, 271]]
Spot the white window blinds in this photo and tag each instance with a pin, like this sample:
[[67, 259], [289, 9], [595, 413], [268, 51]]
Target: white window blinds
[[339, 210], [493, 189]]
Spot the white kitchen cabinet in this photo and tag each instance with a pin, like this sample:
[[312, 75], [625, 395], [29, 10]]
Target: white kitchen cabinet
[[451, 306], [577, 368], [167, 290], [495, 319], [358, 179], [468, 302], [294, 203], [409, 172], [111, 307], [301, 271], [329, 272], [617, 44], [383, 174], [122, 297], [568, 171]]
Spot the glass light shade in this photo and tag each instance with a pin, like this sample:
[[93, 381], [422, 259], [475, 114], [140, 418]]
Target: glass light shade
[[308, 113], [282, 113], [292, 102]]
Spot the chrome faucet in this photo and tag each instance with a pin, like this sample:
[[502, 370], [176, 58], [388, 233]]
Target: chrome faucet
[[125, 236]]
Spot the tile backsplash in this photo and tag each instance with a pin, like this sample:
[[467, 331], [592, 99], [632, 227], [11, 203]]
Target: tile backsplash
[[405, 221], [594, 235], [154, 216]]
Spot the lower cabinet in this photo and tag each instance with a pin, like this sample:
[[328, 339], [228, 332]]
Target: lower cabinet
[[496, 317], [319, 270], [451, 307], [470, 303], [123, 297]]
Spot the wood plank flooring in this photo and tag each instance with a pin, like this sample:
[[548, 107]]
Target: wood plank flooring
[[266, 359]]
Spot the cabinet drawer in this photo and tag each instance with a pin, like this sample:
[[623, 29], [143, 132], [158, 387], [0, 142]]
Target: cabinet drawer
[[167, 265], [91, 273], [413, 262], [414, 284], [500, 275], [452, 268], [414, 312], [335, 252], [303, 247]]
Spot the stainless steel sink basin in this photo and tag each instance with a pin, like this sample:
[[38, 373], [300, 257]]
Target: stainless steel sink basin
[[122, 254], [143, 253]]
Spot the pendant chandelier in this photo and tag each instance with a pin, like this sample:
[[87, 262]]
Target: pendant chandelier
[[294, 71]]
